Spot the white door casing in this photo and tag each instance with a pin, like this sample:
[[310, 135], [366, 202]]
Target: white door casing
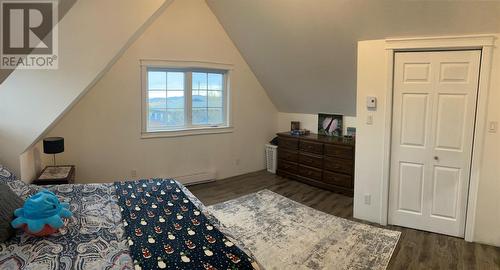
[[434, 106]]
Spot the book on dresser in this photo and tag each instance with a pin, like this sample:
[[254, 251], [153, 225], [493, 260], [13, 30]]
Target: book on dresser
[[323, 161]]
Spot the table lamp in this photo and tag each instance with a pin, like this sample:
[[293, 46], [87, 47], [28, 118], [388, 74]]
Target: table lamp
[[53, 145]]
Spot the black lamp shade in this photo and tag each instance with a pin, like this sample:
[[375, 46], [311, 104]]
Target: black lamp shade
[[53, 145]]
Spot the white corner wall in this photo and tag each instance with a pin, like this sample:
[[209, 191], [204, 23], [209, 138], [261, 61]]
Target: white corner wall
[[372, 81], [487, 224], [103, 130], [91, 35]]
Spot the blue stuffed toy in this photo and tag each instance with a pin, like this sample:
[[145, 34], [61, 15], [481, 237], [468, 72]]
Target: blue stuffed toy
[[42, 214]]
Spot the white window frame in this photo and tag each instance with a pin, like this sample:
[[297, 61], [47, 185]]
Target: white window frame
[[189, 66]]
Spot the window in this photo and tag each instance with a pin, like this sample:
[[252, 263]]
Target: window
[[184, 98]]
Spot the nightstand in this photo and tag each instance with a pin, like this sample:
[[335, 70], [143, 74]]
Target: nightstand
[[56, 175]]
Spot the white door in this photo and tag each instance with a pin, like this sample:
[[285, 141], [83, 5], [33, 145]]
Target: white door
[[433, 125]]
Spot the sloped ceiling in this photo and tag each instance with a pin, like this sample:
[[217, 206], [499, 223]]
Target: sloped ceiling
[[92, 35], [63, 7], [304, 51]]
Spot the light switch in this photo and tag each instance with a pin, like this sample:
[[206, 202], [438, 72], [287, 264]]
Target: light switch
[[492, 127], [369, 120]]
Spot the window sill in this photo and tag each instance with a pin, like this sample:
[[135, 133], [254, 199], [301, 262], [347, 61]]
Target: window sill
[[186, 132]]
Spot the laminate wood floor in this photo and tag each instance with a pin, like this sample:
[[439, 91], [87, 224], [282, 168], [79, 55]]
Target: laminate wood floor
[[416, 249]]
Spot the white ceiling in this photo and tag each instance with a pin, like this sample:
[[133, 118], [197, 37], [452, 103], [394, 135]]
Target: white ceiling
[[304, 51]]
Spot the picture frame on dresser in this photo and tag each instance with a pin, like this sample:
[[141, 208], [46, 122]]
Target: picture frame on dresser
[[330, 124]]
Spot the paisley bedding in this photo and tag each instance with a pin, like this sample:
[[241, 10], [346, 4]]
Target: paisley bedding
[[94, 238]]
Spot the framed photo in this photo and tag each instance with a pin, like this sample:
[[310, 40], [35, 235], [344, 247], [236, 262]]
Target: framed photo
[[294, 125], [351, 132], [330, 124]]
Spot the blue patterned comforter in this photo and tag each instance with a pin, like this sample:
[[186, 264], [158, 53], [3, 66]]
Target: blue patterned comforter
[[165, 230], [94, 238]]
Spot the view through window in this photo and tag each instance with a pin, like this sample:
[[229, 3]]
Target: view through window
[[184, 99]]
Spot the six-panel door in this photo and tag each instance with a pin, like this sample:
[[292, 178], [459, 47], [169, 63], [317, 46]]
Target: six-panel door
[[434, 104]]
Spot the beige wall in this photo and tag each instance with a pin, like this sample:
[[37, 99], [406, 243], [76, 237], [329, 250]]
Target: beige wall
[[308, 121], [372, 81], [102, 132]]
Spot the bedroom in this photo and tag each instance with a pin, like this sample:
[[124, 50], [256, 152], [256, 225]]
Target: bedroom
[[263, 65]]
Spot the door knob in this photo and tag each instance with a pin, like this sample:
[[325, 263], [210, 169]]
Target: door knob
[[436, 158]]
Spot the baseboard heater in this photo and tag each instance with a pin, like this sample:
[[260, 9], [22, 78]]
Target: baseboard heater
[[197, 178]]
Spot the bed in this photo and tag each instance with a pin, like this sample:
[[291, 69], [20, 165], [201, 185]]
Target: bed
[[98, 236]]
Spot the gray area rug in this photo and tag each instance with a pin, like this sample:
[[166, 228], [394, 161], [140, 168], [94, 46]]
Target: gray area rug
[[284, 234]]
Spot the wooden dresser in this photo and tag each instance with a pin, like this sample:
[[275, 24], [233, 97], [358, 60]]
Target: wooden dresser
[[322, 161]]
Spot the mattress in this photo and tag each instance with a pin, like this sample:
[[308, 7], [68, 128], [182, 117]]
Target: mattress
[[93, 238]]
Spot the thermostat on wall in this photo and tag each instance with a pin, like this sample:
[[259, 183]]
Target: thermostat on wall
[[371, 102]]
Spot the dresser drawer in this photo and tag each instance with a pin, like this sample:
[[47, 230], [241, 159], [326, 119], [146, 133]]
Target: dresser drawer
[[310, 172], [287, 166], [340, 151], [339, 165], [337, 179], [311, 160], [311, 147], [288, 155], [288, 143]]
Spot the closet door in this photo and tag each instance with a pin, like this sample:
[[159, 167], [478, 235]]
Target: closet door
[[433, 125]]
